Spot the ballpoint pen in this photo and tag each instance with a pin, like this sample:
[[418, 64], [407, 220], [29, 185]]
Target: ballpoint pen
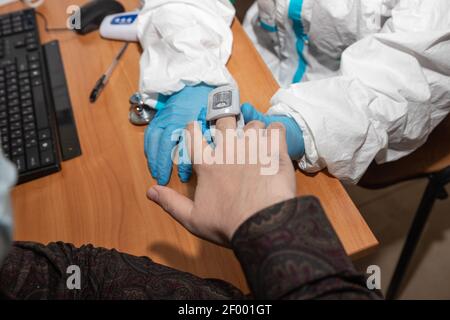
[[101, 83]]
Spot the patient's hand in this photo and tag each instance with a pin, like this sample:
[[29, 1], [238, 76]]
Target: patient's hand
[[228, 194]]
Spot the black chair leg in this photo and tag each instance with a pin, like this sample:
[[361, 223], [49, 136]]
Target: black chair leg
[[435, 190]]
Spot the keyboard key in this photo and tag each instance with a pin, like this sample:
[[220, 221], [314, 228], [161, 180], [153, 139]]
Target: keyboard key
[[14, 109], [25, 90], [44, 134], [17, 151], [34, 65], [23, 75], [24, 81], [5, 45], [35, 73], [5, 147], [30, 134], [10, 75], [27, 103], [44, 145], [30, 143], [30, 35], [27, 111], [17, 29], [18, 142], [6, 63], [3, 131], [16, 134], [29, 126], [40, 107], [28, 118], [25, 96], [20, 163], [47, 158], [36, 82], [13, 103], [28, 24], [12, 88], [15, 125], [32, 158], [32, 47], [20, 44], [10, 68], [22, 65], [13, 95], [15, 117], [33, 56]]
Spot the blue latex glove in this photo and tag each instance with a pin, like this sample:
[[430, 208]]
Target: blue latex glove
[[294, 135], [179, 109]]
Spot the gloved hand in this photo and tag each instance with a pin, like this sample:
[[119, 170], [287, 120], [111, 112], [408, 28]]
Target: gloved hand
[[294, 135], [179, 109]]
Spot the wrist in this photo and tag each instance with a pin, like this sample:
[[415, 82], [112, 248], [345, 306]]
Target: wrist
[[248, 216], [257, 216]]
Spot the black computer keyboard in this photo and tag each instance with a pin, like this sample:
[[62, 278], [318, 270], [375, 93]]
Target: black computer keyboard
[[28, 122]]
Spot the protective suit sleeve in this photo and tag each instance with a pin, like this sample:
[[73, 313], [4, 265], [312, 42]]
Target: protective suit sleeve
[[393, 89], [185, 42]]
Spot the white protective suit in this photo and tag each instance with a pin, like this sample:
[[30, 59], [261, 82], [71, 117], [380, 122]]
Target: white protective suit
[[364, 79], [8, 178]]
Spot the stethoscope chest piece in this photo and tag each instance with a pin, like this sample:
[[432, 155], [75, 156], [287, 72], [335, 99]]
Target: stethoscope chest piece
[[140, 114]]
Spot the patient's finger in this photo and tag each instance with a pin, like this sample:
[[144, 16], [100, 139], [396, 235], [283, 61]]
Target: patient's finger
[[226, 123], [254, 124], [177, 205]]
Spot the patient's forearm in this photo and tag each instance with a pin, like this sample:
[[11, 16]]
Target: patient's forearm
[[290, 251]]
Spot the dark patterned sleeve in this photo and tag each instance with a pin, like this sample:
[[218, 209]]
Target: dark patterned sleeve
[[35, 271], [290, 251]]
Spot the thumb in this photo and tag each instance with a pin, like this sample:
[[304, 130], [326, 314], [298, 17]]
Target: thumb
[[177, 205]]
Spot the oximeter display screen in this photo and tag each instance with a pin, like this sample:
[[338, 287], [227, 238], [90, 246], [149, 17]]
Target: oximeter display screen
[[222, 100]]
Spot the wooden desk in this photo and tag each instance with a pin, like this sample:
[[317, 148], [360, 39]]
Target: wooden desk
[[99, 198]]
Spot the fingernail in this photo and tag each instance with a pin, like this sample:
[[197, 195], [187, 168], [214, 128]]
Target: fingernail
[[152, 194]]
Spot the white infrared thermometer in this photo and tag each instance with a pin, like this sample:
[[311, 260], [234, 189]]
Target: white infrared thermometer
[[121, 26]]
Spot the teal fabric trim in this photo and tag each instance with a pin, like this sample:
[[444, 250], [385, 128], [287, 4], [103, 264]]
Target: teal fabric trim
[[295, 14], [267, 27]]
